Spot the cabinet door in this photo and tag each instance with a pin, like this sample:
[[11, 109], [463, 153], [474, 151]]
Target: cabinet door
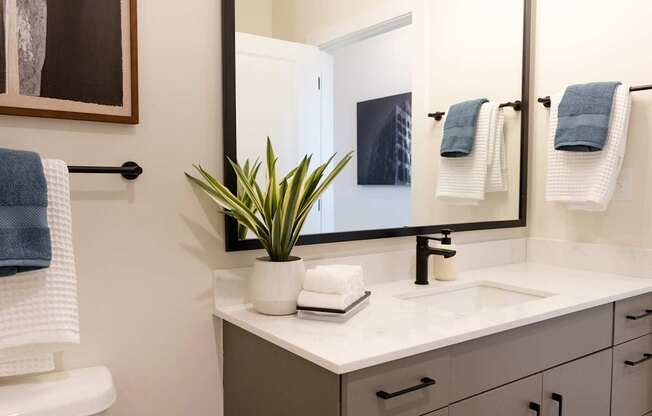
[[579, 388], [632, 378], [442, 412], [521, 398]]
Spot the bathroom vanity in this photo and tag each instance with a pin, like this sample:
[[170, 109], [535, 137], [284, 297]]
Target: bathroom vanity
[[523, 339]]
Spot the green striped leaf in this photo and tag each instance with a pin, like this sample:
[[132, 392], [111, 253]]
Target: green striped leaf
[[277, 212]]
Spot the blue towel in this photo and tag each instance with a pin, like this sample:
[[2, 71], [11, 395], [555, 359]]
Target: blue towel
[[459, 129], [24, 234], [584, 115]]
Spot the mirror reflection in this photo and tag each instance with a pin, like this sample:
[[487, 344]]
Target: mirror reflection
[[375, 77]]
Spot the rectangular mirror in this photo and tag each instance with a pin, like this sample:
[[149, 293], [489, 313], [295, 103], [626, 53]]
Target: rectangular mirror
[[377, 78]]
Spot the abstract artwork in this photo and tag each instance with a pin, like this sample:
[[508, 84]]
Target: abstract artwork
[[385, 141], [73, 59]]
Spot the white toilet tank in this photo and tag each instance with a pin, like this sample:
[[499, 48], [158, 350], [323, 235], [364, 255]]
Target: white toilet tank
[[84, 392]]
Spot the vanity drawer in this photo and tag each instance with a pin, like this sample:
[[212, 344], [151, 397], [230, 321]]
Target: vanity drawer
[[632, 378], [482, 364], [513, 399], [633, 318], [408, 383]]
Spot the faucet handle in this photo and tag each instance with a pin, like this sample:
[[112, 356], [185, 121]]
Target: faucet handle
[[422, 240], [446, 236]]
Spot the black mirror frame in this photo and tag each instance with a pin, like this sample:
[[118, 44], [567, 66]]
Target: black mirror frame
[[229, 145]]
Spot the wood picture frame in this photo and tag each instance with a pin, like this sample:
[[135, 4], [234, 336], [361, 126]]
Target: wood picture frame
[[69, 83]]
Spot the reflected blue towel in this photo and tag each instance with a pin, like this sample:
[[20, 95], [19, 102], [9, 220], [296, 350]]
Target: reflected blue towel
[[24, 234], [459, 129], [584, 115]]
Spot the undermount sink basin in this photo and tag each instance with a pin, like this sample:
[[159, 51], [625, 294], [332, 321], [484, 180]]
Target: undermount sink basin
[[474, 298]]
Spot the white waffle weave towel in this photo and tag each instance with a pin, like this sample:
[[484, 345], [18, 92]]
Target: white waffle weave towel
[[462, 180], [39, 312], [496, 160], [587, 180]]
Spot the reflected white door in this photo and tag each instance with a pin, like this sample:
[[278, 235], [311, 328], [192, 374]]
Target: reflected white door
[[278, 95]]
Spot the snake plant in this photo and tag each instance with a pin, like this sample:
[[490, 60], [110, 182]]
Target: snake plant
[[276, 213]]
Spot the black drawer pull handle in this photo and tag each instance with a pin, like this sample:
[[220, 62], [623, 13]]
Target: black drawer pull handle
[[560, 402], [647, 357], [648, 313], [536, 407], [425, 382]]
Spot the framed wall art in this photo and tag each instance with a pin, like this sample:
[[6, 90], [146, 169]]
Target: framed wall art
[[69, 59]]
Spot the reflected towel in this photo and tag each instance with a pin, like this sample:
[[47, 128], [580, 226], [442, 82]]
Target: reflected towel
[[584, 114], [496, 160], [460, 128], [587, 180], [462, 181], [39, 308], [24, 233]]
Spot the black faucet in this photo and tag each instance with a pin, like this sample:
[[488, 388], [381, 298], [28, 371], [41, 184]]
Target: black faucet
[[424, 251]]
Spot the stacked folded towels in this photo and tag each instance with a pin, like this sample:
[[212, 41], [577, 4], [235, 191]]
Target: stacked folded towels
[[332, 287], [472, 153]]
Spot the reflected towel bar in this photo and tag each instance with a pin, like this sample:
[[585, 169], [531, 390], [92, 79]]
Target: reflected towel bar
[[128, 170], [516, 105], [546, 100]]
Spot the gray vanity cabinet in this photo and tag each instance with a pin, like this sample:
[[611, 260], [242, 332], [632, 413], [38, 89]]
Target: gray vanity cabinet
[[579, 388], [573, 365], [520, 398]]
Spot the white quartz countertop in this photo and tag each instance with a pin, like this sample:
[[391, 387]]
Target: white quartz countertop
[[391, 328]]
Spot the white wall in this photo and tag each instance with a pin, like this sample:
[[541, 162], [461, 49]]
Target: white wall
[[255, 17], [145, 250], [318, 21], [581, 41], [373, 68]]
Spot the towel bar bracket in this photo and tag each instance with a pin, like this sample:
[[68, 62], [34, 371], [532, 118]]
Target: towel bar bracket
[[516, 105], [437, 116], [545, 101]]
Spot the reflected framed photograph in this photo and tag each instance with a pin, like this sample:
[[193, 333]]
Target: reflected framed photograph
[[385, 141], [69, 59]]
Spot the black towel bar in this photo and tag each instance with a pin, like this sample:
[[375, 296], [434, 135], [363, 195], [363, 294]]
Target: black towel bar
[[516, 105], [546, 100], [128, 170]]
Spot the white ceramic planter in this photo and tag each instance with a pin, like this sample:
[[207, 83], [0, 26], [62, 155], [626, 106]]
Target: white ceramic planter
[[275, 286]]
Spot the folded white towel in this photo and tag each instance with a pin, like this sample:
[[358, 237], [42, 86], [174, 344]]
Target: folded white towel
[[39, 310], [496, 158], [587, 180], [462, 180], [328, 301], [334, 279]]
